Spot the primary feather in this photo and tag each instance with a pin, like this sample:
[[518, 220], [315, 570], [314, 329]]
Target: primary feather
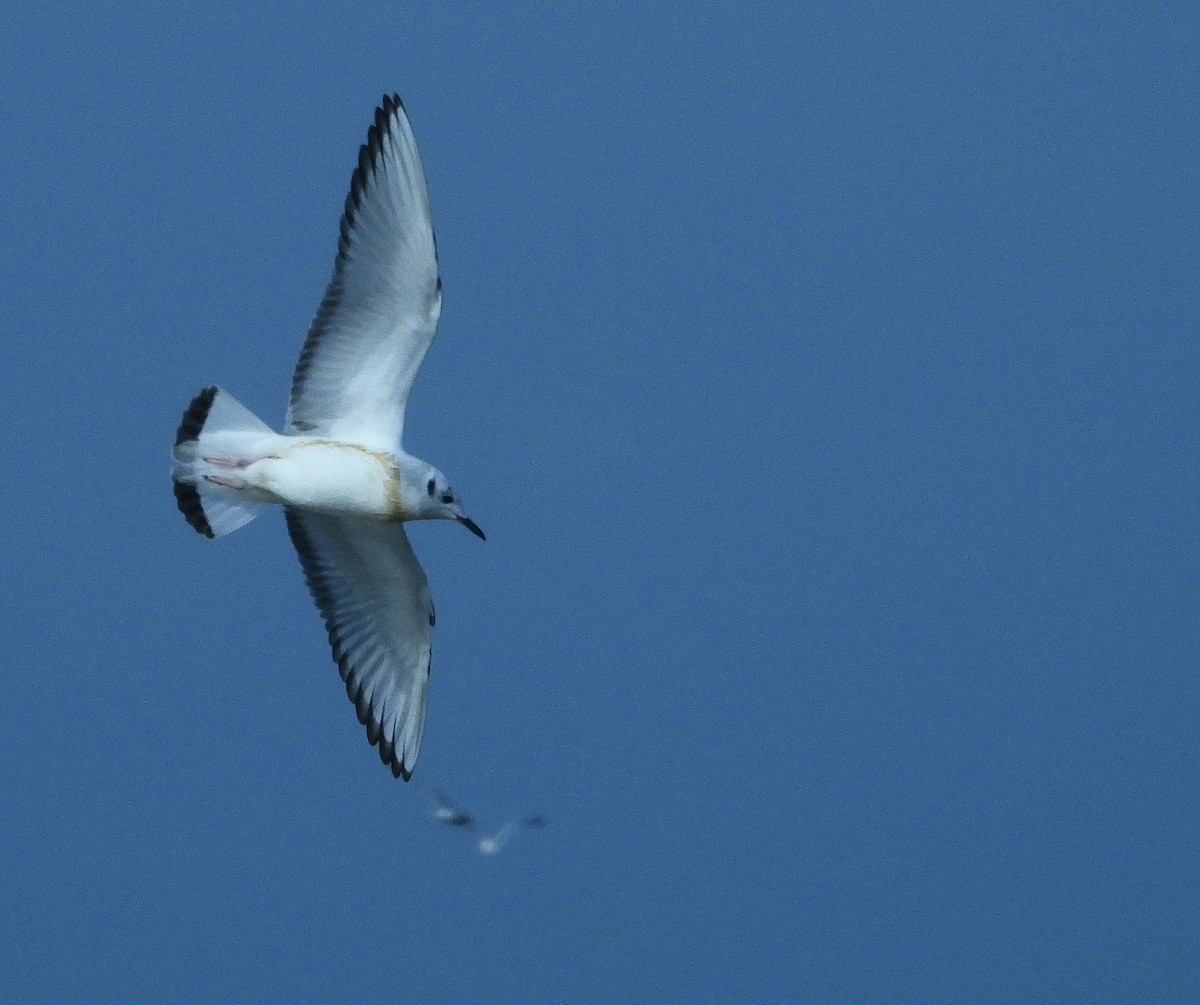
[[381, 308]]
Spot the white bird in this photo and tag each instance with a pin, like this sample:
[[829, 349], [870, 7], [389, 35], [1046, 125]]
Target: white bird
[[338, 467], [446, 812], [492, 845]]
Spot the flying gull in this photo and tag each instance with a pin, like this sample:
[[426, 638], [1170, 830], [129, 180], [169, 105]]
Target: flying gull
[[452, 815], [338, 468]]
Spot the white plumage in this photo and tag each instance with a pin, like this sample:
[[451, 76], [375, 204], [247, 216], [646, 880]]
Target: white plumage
[[452, 815], [339, 468]]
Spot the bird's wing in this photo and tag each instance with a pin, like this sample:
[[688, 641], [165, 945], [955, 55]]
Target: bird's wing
[[445, 809], [492, 845], [380, 311], [375, 600]]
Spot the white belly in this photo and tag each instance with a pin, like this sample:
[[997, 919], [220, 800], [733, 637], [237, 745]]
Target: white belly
[[331, 477]]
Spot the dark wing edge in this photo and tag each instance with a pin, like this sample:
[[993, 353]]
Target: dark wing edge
[[320, 586], [369, 155]]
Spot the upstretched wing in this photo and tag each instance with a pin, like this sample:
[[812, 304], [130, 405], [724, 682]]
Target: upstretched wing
[[381, 308], [445, 810], [492, 845], [375, 600]]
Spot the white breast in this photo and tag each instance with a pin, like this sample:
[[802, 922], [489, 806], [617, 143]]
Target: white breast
[[330, 477]]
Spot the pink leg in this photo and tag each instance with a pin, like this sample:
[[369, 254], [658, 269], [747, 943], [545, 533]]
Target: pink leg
[[226, 462], [229, 483]]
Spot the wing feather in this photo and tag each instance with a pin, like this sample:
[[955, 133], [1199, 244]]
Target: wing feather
[[380, 311], [375, 600]]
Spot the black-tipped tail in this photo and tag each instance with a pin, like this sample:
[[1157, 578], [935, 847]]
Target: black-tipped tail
[[195, 415], [188, 501], [214, 425], [190, 426]]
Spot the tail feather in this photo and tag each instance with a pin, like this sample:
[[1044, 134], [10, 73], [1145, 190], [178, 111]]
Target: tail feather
[[216, 424], [195, 415], [188, 501]]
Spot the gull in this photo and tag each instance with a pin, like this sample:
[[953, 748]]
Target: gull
[[446, 812], [492, 845], [338, 468]]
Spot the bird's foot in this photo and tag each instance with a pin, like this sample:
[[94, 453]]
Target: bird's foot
[[226, 482]]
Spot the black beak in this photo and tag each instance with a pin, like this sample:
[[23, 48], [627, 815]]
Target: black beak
[[472, 526]]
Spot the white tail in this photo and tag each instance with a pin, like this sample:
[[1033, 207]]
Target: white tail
[[216, 425]]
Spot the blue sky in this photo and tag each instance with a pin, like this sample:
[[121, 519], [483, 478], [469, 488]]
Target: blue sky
[[825, 379]]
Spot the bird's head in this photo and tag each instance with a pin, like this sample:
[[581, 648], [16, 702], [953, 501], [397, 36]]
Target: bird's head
[[437, 501]]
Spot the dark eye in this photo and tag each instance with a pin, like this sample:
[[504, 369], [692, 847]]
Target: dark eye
[[448, 497], [431, 487]]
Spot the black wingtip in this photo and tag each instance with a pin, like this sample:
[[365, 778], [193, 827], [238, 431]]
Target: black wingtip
[[368, 158]]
